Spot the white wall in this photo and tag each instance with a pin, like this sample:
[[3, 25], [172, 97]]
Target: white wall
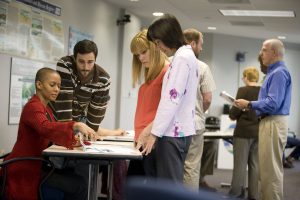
[[292, 61], [224, 67], [128, 94], [7, 133]]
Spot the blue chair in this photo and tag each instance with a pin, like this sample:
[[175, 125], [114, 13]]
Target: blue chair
[[148, 189]]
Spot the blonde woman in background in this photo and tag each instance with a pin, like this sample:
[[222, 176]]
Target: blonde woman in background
[[245, 139], [149, 66]]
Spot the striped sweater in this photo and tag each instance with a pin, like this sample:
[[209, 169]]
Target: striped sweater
[[76, 100]]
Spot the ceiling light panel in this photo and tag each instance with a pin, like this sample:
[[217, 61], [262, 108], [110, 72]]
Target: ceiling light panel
[[257, 13], [229, 1]]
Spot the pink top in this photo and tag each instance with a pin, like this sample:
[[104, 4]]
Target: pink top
[[175, 116]]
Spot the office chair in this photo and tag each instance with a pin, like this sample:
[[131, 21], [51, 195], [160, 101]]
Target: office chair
[[159, 189], [4, 164]]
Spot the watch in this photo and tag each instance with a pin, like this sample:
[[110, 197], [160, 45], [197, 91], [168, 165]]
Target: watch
[[249, 106]]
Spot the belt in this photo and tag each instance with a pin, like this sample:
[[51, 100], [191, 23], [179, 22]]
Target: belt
[[262, 117]]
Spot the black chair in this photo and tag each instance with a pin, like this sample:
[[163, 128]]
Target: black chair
[[4, 164]]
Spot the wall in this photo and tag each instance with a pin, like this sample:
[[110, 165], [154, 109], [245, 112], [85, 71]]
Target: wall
[[8, 132], [128, 97]]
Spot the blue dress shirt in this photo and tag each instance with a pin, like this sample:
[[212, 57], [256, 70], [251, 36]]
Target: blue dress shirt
[[275, 94]]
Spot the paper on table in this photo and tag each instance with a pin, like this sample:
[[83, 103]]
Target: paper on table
[[228, 97], [130, 132], [129, 136], [91, 148], [98, 148]]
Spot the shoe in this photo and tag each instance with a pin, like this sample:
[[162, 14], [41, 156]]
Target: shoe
[[205, 186], [289, 159], [243, 194], [287, 164]]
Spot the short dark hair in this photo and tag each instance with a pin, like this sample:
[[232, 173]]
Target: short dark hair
[[168, 30], [42, 73], [84, 47]]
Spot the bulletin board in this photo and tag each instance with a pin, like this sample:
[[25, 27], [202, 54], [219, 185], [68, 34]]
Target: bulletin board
[[22, 85], [30, 32]]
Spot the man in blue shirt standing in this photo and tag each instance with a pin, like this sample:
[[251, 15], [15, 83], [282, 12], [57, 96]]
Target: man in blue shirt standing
[[272, 108]]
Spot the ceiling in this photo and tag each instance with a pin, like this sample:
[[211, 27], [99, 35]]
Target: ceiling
[[201, 14]]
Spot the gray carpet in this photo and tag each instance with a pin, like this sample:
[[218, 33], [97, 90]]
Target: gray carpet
[[291, 181], [223, 177]]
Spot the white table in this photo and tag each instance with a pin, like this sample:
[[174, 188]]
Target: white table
[[103, 150], [218, 134], [129, 137], [223, 156]]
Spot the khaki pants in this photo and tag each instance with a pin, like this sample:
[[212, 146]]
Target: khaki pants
[[272, 140], [192, 162]]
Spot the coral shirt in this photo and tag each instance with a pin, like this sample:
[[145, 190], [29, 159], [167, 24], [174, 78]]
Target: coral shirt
[[34, 135], [148, 100]]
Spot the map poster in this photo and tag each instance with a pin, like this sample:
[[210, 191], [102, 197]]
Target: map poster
[[22, 85]]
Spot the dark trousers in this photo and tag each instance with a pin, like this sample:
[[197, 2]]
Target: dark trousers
[[71, 184], [294, 142], [79, 169], [136, 167], [167, 158]]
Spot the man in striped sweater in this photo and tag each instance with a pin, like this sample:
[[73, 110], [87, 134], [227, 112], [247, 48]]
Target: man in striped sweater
[[84, 92], [84, 95]]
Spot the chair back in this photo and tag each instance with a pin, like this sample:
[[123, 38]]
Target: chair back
[[3, 174]]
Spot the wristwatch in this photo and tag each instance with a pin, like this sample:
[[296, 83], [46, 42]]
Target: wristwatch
[[249, 106]]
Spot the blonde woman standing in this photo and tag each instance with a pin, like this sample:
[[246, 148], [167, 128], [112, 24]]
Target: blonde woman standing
[[149, 66]]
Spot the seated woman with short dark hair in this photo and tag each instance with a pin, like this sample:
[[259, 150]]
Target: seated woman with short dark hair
[[37, 128]]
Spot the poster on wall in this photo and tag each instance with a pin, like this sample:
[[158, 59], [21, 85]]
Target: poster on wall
[[22, 85], [3, 22], [75, 36], [30, 33]]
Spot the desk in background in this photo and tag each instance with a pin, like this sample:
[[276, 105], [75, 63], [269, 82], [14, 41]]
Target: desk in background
[[225, 149], [218, 134], [103, 150], [129, 137]]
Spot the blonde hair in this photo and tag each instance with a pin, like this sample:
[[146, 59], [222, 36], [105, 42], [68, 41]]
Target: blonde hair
[[251, 73], [156, 62]]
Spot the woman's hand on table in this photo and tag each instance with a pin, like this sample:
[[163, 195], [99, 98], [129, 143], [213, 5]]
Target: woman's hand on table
[[85, 130]]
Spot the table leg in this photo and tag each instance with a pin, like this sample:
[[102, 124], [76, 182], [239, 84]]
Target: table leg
[[93, 177], [110, 180]]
